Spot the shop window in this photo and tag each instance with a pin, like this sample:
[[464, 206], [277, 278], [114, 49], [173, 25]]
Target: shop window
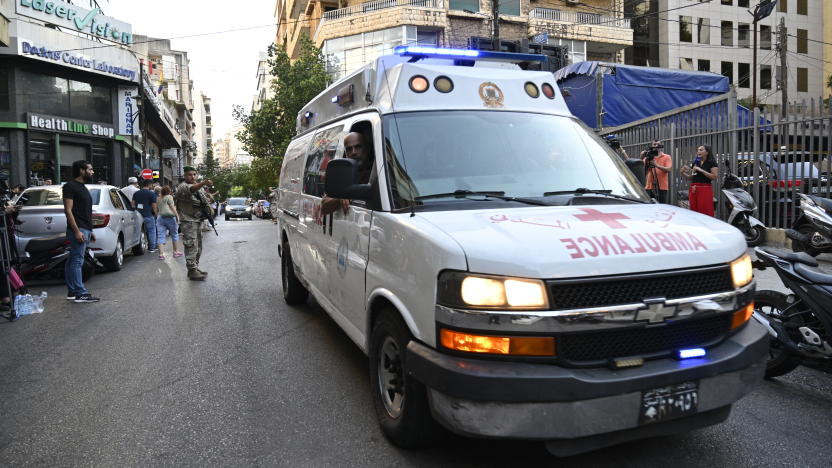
[[466, 5], [685, 29], [101, 162], [743, 75], [703, 27], [765, 77], [802, 80], [5, 153], [802, 41], [727, 33], [765, 37], [727, 69], [66, 98], [743, 35], [70, 153], [703, 65], [41, 161]]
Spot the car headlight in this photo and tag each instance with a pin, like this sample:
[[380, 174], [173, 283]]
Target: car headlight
[[742, 272], [460, 289], [248, 208]]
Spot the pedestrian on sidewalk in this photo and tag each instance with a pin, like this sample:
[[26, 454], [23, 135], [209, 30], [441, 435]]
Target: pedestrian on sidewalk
[[131, 188], [701, 173], [78, 211], [167, 224], [189, 197], [145, 202]]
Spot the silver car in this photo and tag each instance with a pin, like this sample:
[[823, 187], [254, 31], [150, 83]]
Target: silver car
[[116, 225]]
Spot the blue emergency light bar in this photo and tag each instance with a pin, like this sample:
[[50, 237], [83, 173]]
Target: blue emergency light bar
[[691, 353], [441, 52]]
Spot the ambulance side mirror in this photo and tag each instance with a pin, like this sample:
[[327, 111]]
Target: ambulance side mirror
[[340, 181], [637, 168]]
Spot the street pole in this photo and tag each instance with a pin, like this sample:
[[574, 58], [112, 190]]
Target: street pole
[[754, 68], [495, 25], [784, 73]]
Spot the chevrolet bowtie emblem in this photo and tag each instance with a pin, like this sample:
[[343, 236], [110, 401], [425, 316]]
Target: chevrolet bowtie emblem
[[656, 311]]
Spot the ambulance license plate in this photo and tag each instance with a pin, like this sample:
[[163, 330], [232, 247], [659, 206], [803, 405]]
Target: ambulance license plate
[[670, 402]]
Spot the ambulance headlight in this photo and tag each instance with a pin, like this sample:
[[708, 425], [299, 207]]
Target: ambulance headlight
[[741, 271], [460, 289]]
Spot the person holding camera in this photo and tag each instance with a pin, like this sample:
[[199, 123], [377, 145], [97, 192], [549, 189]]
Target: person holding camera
[[700, 173], [657, 164]]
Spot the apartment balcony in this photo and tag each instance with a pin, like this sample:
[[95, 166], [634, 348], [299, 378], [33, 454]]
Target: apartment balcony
[[607, 34], [378, 15]]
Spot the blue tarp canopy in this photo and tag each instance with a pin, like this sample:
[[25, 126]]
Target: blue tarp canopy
[[631, 93]]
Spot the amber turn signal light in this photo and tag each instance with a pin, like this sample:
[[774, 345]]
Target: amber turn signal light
[[505, 345], [741, 316]]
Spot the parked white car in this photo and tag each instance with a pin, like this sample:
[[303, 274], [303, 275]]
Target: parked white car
[[116, 225]]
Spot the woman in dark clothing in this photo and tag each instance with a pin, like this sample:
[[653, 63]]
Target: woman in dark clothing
[[701, 173]]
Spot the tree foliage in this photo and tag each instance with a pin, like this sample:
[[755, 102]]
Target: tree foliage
[[266, 132]]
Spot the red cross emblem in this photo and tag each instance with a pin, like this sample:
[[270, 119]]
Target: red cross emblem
[[610, 219]]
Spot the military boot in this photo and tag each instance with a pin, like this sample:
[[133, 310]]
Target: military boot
[[195, 275], [204, 273]]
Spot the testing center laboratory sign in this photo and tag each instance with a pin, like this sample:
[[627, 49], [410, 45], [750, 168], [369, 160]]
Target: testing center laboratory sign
[[74, 17]]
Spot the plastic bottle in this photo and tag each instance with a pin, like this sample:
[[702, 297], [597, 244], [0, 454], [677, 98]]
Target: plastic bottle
[[29, 304], [24, 304], [40, 303], [18, 305]]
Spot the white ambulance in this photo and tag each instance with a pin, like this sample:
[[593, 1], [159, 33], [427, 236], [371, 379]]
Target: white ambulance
[[502, 268]]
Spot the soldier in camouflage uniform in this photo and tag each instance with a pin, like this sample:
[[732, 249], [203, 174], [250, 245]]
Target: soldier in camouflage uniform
[[187, 197]]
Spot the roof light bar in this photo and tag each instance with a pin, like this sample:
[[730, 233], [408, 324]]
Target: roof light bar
[[441, 52]]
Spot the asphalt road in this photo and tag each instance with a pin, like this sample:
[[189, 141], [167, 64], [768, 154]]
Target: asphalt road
[[167, 372]]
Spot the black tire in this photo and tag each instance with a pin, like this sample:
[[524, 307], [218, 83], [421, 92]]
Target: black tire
[[139, 248], [755, 236], [249, 217], [115, 261], [294, 293], [226, 217], [399, 400], [780, 360], [806, 230]]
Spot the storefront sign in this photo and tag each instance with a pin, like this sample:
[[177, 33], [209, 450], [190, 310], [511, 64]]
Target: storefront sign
[[80, 19], [75, 59], [128, 119], [72, 126]]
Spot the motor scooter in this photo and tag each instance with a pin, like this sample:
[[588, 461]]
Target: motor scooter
[[45, 257], [742, 210], [800, 324], [812, 230]]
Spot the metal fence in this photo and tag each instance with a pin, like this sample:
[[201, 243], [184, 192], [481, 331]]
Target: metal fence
[[775, 157]]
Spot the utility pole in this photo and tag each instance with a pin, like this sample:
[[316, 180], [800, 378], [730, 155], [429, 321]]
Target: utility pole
[[782, 46], [495, 25]]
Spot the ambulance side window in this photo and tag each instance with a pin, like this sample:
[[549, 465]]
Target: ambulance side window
[[325, 146], [366, 173]]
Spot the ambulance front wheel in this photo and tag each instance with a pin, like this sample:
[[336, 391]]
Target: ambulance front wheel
[[400, 402]]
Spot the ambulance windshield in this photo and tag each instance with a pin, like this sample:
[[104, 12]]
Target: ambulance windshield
[[515, 154]]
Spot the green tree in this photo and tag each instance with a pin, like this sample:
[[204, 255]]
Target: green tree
[[266, 132], [210, 166]]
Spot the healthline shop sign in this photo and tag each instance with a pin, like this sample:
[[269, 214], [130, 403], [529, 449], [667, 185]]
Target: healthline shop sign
[[80, 19]]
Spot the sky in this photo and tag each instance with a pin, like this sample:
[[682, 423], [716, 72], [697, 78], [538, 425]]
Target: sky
[[223, 64]]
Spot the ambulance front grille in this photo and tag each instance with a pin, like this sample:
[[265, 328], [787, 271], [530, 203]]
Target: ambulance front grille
[[647, 341], [620, 290]]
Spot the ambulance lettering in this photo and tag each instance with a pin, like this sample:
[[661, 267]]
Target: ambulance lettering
[[636, 243]]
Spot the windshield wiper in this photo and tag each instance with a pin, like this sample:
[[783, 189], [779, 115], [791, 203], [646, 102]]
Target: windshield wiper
[[582, 190], [487, 194]]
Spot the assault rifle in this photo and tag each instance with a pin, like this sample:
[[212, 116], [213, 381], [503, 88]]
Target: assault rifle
[[206, 212]]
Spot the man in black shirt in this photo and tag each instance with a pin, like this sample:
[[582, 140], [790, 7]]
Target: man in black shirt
[[78, 210]]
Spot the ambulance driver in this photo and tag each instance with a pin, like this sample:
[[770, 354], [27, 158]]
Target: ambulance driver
[[354, 148], [701, 173]]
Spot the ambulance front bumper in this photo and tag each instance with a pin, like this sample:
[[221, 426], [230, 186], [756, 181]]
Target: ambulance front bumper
[[586, 408]]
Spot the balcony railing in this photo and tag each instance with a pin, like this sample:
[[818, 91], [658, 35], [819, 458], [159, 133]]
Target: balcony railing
[[576, 17], [368, 7]]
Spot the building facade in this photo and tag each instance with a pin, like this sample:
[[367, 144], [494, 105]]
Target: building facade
[[202, 127], [264, 82], [169, 75], [68, 94], [718, 37], [354, 32]]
